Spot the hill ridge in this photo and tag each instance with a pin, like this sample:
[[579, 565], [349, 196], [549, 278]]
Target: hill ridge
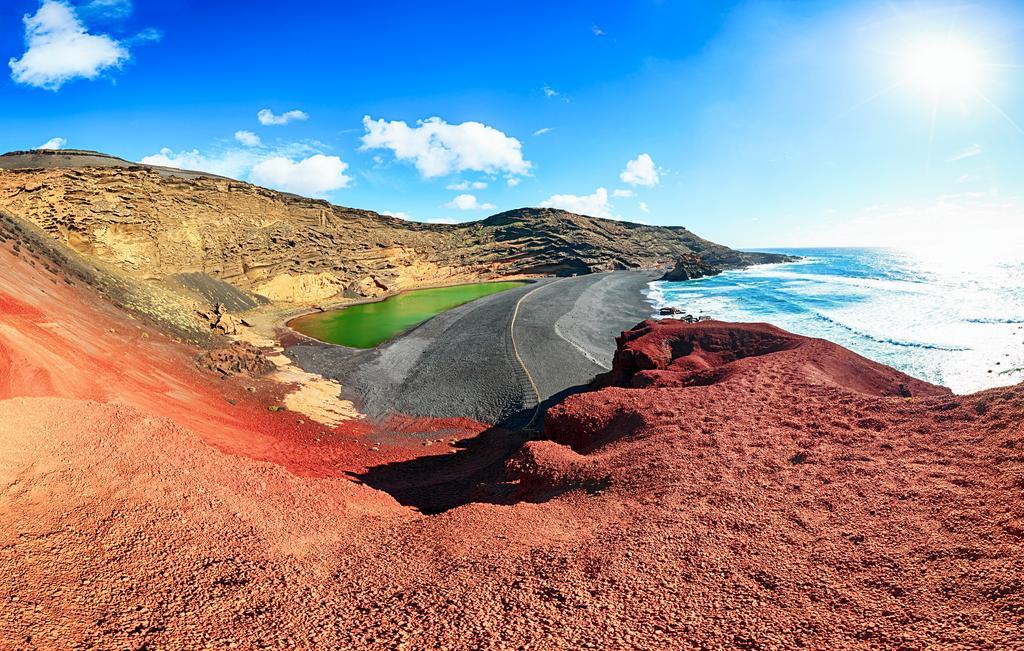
[[154, 223]]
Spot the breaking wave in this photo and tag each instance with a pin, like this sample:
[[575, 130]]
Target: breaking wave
[[960, 328]]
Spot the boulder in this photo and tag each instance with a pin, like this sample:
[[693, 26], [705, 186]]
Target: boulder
[[367, 287], [223, 321], [239, 358], [689, 267]]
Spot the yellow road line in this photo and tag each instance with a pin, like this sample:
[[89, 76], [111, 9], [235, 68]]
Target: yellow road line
[[515, 347]]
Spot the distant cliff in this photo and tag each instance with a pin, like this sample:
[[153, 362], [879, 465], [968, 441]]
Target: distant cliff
[[161, 223], [691, 265]]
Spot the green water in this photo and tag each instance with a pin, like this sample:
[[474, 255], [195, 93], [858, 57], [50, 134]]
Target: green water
[[370, 324]]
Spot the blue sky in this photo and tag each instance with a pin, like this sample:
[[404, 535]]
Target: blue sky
[[753, 123]]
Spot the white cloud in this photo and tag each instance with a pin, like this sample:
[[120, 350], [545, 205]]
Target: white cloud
[[296, 167], [550, 92], [596, 29], [644, 207], [640, 171], [973, 150], [468, 202], [53, 143], [59, 49], [248, 138], [542, 131], [595, 205], [466, 185], [438, 148], [399, 214], [622, 193], [148, 35], [512, 181], [108, 9], [442, 220], [313, 176], [233, 163], [267, 117]]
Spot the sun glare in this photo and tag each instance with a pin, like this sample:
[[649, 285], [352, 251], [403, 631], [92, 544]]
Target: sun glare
[[945, 68]]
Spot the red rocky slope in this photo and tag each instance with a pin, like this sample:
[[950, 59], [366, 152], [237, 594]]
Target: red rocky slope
[[739, 487], [787, 492]]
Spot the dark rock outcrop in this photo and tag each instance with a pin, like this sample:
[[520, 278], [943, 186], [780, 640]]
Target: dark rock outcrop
[[238, 358], [690, 267], [716, 260]]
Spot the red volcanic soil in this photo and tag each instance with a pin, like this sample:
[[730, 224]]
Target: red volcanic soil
[[732, 486], [57, 339], [786, 494]]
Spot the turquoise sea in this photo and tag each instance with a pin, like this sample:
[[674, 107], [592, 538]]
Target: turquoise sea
[[951, 320]]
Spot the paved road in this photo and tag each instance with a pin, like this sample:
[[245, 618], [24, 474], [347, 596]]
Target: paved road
[[463, 362]]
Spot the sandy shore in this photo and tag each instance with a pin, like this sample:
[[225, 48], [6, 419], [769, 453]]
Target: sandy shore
[[463, 362]]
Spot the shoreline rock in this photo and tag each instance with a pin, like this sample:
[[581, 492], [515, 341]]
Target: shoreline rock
[[692, 266]]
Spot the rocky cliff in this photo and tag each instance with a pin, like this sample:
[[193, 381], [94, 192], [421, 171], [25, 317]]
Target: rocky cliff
[[160, 223], [692, 266]]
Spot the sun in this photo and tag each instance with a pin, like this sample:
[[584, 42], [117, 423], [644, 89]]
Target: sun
[[944, 68]]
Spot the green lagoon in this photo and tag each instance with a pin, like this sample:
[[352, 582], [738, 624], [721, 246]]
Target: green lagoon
[[370, 324]]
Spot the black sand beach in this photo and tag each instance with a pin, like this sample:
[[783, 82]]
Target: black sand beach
[[469, 361]]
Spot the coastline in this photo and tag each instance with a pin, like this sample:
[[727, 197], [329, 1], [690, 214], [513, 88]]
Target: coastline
[[786, 451], [944, 321]]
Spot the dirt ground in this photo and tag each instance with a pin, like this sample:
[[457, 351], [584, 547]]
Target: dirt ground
[[730, 487]]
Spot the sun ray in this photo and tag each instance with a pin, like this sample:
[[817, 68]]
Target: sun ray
[[872, 98], [1000, 111], [931, 137]]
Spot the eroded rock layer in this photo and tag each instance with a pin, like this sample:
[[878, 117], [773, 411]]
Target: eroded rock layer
[[155, 223]]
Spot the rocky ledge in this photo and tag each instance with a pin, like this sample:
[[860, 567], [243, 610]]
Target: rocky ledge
[[691, 265]]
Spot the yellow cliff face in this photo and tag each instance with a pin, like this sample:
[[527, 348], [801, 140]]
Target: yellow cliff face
[[286, 248], [155, 223], [300, 288]]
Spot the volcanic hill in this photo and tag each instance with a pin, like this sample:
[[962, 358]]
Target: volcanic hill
[[722, 486], [158, 223]]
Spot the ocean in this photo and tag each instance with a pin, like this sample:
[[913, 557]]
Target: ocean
[[951, 320]]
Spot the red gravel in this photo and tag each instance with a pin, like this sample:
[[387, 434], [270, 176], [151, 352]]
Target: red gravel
[[758, 490], [792, 498]]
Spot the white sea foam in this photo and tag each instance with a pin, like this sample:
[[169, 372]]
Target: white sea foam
[[960, 327]]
